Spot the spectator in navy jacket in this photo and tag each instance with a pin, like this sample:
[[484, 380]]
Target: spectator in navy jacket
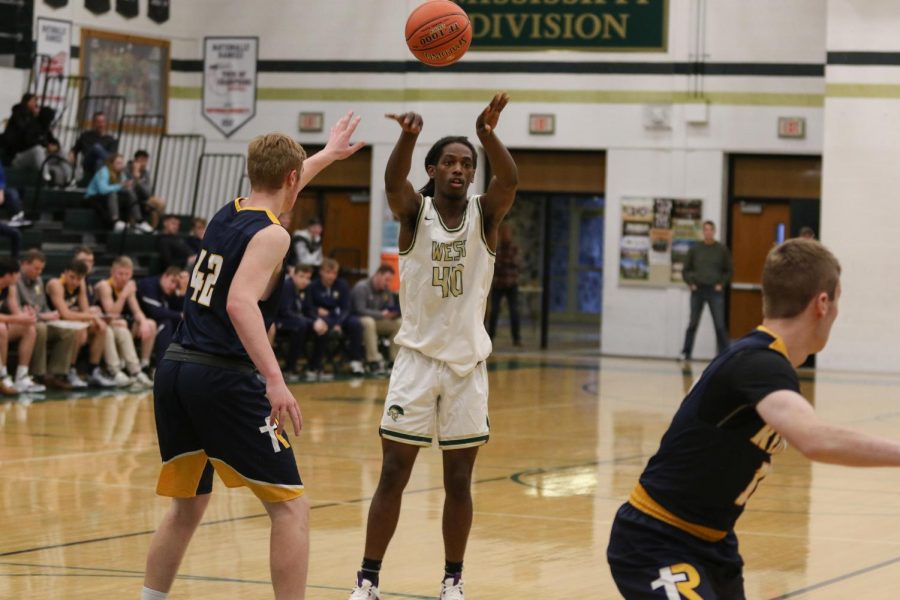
[[294, 316], [330, 300], [162, 299]]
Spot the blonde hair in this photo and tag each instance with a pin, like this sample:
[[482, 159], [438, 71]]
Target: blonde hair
[[796, 272], [123, 261], [270, 158]]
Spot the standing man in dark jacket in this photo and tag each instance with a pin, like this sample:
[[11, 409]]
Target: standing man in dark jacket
[[506, 284], [707, 271], [292, 317], [94, 145], [330, 299]]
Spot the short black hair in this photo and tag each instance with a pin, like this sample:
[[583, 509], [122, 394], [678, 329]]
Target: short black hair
[[79, 267], [141, 154], [8, 265], [386, 268]]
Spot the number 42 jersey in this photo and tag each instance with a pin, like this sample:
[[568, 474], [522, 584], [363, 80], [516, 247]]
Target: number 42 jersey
[[206, 326]]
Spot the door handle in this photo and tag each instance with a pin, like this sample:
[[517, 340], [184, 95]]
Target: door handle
[[747, 287]]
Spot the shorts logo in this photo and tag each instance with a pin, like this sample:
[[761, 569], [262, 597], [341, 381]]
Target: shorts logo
[[395, 412], [274, 435], [678, 581]]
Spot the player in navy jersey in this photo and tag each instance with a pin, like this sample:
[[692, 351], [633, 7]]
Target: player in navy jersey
[[220, 397], [674, 538]]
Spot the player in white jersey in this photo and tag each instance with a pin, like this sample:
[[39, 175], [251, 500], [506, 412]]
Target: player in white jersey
[[439, 380]]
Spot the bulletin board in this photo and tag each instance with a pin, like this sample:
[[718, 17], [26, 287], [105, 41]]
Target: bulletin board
[[656, 236]]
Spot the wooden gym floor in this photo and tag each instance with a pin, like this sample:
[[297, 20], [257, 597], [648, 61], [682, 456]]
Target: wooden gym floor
[[570, 436]]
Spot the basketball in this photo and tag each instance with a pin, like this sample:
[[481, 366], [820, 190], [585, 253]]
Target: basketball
[[438, 33]]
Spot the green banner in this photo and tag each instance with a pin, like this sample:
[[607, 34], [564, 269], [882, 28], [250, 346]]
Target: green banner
[[599, 25]]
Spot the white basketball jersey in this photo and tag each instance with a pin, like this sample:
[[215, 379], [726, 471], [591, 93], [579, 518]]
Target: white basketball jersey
[[445, 278]]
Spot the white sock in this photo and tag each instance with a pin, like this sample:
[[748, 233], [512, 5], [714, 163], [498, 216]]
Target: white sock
[[3, 372], [148, 594], [21, 372]]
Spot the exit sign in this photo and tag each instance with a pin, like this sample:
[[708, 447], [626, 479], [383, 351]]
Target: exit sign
[[542, 124], [792, 127], [311, 122]]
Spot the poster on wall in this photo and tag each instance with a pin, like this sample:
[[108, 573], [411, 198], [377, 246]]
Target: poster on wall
[[656, 236], [229, 82], [54, 43]]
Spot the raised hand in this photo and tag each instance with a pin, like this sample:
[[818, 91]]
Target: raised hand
[[339, 145], [410, 122], [487, 120]]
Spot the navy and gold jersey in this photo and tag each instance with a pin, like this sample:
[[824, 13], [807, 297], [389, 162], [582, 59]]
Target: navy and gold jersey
[[717, 448], [206, 326]]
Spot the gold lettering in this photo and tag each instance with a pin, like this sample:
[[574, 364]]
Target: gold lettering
[[437, 251], [567, 31], [536, 26], [516, 24], [581, 30], [551, 26], [496, 34], [621, 26], [481, 25]]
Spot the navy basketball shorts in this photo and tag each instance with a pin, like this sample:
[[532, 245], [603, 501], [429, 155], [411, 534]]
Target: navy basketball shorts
[[651, 560], [215, 418]]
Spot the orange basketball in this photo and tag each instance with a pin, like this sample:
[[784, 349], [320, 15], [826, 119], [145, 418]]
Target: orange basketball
[[438, 32]]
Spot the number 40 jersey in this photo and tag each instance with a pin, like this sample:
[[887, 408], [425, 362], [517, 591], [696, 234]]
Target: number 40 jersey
[[206, 326], [445, 278]]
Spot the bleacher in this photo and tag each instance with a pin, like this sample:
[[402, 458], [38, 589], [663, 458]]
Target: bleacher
[[64, 219]]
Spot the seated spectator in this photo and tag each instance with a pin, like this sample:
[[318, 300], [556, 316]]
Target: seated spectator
[[56, 170], [173, 249], [292, 317], [117, 296], [52, 337], [9, 199], [329, 298], [162, 299], [94, 146], [307, 245], [137, 171], [68, 296], [373, 302], [113, 194], [195, 239], [26, 137], [16, 324]]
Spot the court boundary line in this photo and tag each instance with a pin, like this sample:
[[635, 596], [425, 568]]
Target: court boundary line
[[839, 578], [131, 573], [228, 520]]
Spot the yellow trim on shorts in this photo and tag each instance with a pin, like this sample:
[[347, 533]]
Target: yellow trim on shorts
[[267, 492], [180, 475], [642, 501]]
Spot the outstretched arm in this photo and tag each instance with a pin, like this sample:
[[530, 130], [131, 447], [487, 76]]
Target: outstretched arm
[[794, 419], [501, 190], [402, 197], [338, 147]]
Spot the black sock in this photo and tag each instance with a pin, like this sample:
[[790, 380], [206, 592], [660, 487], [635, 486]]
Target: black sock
[[452, 568], [370, 570]]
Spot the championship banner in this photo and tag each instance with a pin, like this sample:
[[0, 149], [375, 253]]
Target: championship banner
[[598, 25], [98, 7], [229, 82], [158, 10], [54, 41], [127, 8]]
